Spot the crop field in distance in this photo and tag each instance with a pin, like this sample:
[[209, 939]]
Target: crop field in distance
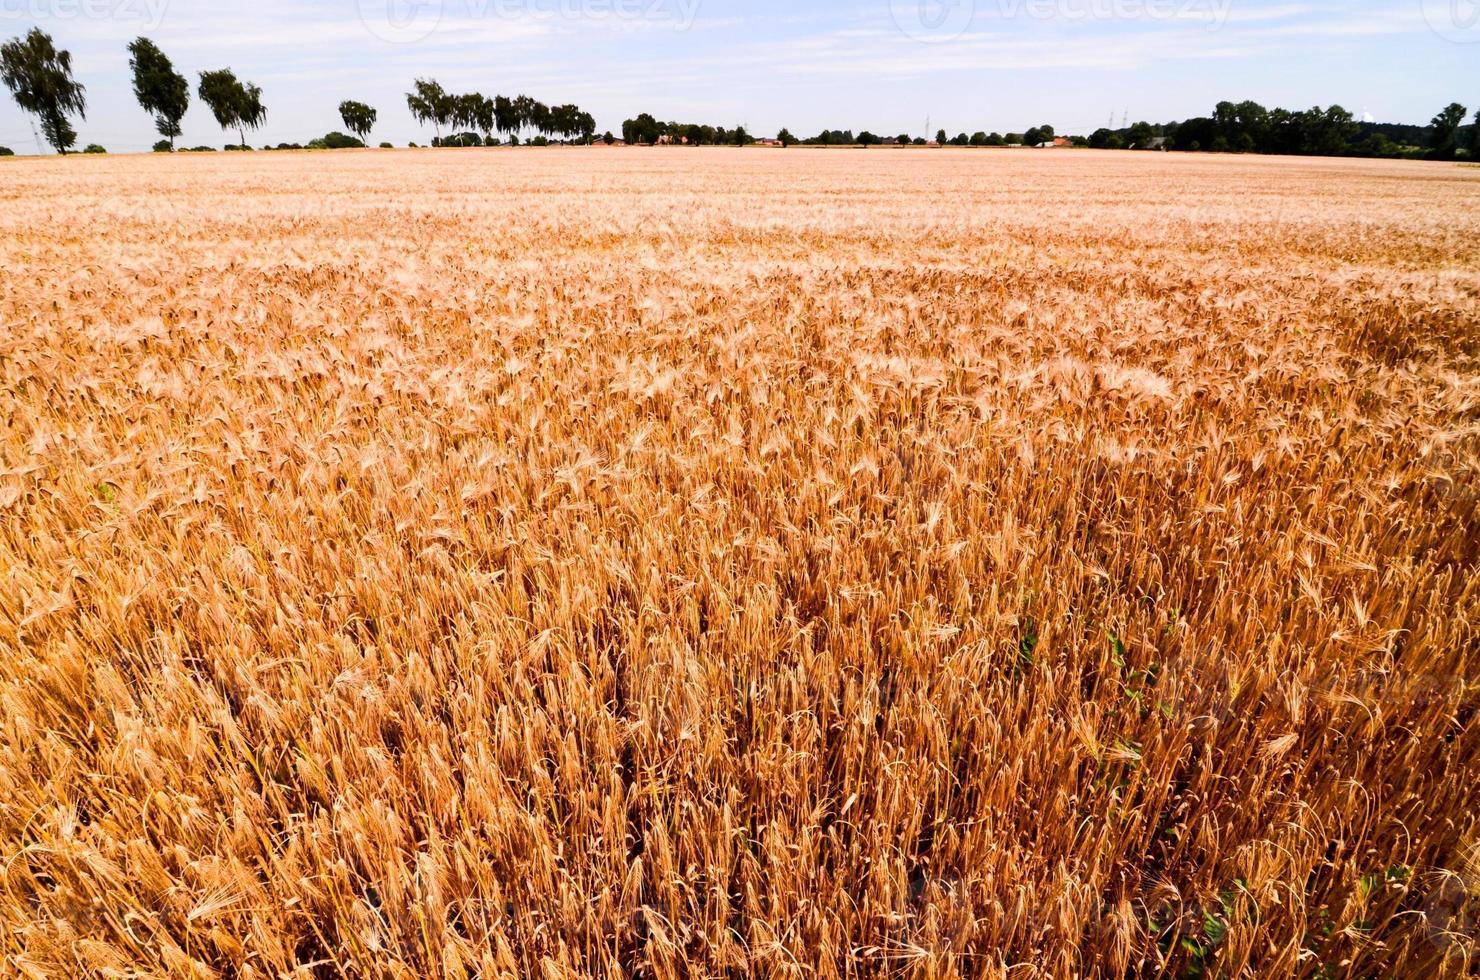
[[700, 563]]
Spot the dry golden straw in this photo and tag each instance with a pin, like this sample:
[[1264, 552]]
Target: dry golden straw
[[739, 563]]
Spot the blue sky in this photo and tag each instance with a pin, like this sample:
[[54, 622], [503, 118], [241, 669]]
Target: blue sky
[[883, 65]]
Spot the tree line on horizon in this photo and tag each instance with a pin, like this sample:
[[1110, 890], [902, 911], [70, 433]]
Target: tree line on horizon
[[647, 130], [39, 77], [475, 113], [1248, 127]]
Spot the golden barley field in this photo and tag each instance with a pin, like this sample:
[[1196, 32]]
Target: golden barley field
[[739, 563]]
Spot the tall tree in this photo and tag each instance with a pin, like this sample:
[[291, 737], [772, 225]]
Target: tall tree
[[1251, 121], [643, 129], [565, 121], [1446, 129], [505, 118], [561, 119], [1475, 138], [569, 121], [358, 118], [523, 111], [539, 117], [483, 116], [465, 111], [254, 113], [40, 78], [235, 104], [529, 113], [220, 91], [429, 103], [162, 92], [1330, 132]]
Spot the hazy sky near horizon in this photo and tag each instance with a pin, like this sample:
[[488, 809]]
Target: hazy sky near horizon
[[883, 65]]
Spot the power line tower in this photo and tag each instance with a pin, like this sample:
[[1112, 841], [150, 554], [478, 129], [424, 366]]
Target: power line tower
[[37, 136]]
